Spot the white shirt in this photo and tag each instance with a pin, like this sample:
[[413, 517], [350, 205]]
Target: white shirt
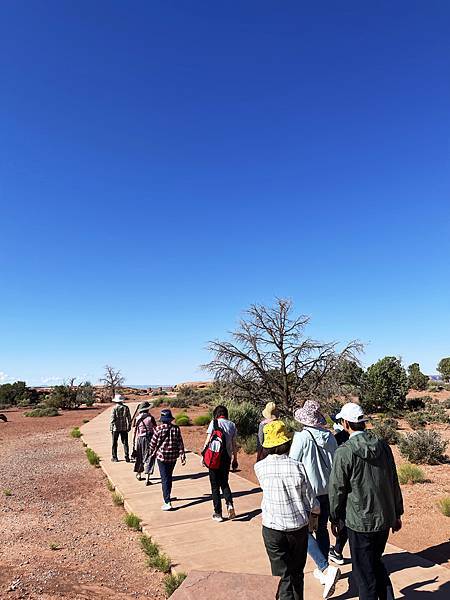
[[287, 494]]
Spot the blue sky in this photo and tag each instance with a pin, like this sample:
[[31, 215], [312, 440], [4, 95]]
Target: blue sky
[[165, 164]]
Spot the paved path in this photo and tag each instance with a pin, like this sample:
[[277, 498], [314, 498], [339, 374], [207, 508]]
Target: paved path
[[195, 542]]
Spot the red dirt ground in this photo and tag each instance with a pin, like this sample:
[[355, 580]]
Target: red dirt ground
[[59, 498]]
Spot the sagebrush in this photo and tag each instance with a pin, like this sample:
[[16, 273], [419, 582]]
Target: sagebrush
[[408, 473], [422, 447]]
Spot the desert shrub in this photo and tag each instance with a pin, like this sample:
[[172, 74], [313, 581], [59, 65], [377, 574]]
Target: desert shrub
[[446, 403], [7, 492], [416, 420], [415, 403], [248, 443], [385, 385], [156, 558], [408, 473], [422, 447], [292, 425], [42, 412], [159, 393], [93, 457], [75, 433], [156, 402], [177, 403], [245, 415], [132, 521], [117, 499], [63, 396], [444, 506], [23, 403], [86, 394], [436, 413], [110, 485], [182, 420], [444, 368], [416, 379], [172, 581], [149, 546], [202, 420], [385, 430]]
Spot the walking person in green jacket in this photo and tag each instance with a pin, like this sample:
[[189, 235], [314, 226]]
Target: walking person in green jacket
[[365, 495]]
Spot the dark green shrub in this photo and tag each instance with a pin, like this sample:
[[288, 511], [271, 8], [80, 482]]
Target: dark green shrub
[[416, 420], [422, 447], [64, 397], [416, 379], [172, 581], [385, 430], [86, 394], [182, 420], [444, 368], [156, 402], [177, 403], [75, 433], [159, 393], [13, 393], [416, 403], [202, 420], [42, 412], [245, 415], [436, 413], [385, 386]]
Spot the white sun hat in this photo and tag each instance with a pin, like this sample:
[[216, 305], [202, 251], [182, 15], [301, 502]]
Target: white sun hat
[[118, 398], [352, 412]]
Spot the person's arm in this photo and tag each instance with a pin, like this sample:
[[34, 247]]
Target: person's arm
[[234, 463], [297, 447], [261, 433], [113, 419], [338, 486], [154, 443], [128, 418], [309, 499], [181, 453]]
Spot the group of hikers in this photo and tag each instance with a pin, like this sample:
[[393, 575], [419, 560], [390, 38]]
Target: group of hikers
[[346, 477]]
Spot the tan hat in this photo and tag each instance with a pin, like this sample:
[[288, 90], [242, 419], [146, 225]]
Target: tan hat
[[269, 409]]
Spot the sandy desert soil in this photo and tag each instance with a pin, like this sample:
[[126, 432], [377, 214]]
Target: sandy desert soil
[[59, 498]]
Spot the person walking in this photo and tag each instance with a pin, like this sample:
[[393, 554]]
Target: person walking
[[288, 500], [221, 438], [120, 425], [270, 413], [166, 446], [314, 447], [143, 433], [365, 496], [336, 551]]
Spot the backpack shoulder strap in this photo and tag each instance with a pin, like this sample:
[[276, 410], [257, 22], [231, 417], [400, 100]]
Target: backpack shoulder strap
[[319, 451]]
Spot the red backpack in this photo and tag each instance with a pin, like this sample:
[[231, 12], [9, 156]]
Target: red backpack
[[212, 453]]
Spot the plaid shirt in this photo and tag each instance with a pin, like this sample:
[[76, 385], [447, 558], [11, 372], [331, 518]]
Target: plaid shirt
[[167, 443], [288, 497], [120, 418]]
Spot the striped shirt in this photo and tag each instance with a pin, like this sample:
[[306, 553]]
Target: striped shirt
[[144, 426], [167, 443], [288, 497], [120, 418]]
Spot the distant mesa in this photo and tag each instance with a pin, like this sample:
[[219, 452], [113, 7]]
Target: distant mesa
[[198, 385]]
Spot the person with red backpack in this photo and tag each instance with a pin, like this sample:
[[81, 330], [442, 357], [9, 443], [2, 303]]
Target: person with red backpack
[[219, 454]]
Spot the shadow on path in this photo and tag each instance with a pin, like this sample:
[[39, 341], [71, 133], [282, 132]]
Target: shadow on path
[[207, 498], [438, 554]]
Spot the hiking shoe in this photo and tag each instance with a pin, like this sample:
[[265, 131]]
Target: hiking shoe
[[231, 512], [217, 518], [320, 575], [166, 506], [335, 557], [127, 459], [331, 576], [114, 460]]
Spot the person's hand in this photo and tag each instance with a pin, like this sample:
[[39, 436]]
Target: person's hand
[[397, 525], [183, 460], [234, 464], [336, 528]]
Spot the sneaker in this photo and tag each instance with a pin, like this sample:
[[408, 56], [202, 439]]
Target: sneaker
[[331, 575], [114, 460], [231, 512], [166, 506], [217, 518], [335, 557]]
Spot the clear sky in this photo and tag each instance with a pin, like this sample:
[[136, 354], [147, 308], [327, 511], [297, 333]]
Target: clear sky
[[163, 164]]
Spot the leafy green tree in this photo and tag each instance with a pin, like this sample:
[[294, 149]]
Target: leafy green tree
[[63, 396], [416, 379], [444, 368], [86, 394], [350, 373], [13, 393], [385, 385]]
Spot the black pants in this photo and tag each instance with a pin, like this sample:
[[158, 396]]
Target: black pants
[[369, 571], [124, 439], [166, 473], [287, 554], [341, 540], [219, 481]]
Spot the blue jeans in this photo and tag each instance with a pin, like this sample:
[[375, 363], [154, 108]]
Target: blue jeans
[[166, 472], [319, 546]]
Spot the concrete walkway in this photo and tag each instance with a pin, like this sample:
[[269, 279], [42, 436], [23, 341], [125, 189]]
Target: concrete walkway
[[195, 542]]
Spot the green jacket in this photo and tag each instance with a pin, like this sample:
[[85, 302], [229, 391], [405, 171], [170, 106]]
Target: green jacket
[[364, 491]]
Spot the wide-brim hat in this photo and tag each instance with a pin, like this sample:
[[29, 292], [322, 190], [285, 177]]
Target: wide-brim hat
[[118, 398], [166, 416], [275, 434], [144, 407], [269, 409], [309, 414]]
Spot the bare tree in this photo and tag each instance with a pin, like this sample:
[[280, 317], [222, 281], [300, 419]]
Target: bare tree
[[112, 379], [269, 357]]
